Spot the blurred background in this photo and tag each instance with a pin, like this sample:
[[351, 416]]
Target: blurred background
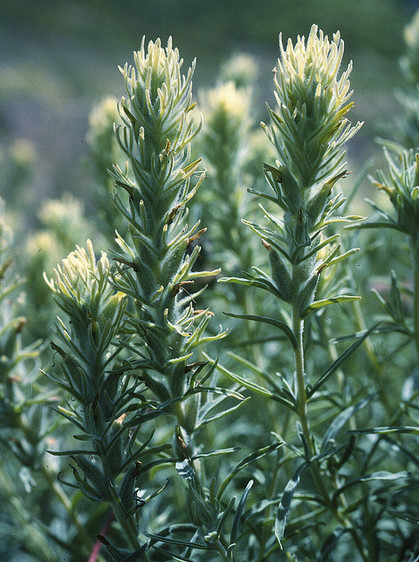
[[58, 58]]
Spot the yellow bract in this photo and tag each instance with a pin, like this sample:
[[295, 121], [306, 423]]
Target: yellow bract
[[79, 274]]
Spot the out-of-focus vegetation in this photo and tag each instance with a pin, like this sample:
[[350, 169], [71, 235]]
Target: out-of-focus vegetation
[[130, 316], [57, 58]]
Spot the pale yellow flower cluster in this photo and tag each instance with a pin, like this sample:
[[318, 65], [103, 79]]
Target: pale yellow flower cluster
[[80, 274]]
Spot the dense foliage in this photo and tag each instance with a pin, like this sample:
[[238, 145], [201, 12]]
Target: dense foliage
[[225, 366]]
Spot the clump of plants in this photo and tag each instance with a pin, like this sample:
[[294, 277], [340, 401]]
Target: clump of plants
[[216, 387]]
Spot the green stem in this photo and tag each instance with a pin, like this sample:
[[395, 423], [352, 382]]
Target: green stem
[[415, 262], [127, 524], [298, 327]]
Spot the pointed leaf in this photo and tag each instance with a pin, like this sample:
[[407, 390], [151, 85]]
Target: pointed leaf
[[225, 514], [236, 522], [338, 362], [178, 542], [385, 430], [331, 300], [340, 420], [259, 453], [285, 503], [221, 414], [247, 384], [216, 453], [374, 476], [266, 320]]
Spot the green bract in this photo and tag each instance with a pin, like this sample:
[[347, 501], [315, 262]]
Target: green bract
[[83, 290], [156, 265], [308, 130], [401, 184], [309, 126], [315, 459]]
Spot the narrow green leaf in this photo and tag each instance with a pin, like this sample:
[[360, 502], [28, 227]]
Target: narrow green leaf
[[331, 300], [266, 320], [374, 476], [178, 542], [216, 453], [385, 430], [136, 556], [86, 437], [340, 420], [225, 514], [221, 414], [238, 280], [252, 281], [247, 384], [338, 362], [253, 386], [343, 256], [236, 522], [71, 452], [265, 376], [264, 195], [285, 503], [258, 454]]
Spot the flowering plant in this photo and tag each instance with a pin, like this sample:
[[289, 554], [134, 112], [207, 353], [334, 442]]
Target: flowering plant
[[282, 438]]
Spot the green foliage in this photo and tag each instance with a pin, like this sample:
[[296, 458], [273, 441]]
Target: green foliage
[[145, 430]]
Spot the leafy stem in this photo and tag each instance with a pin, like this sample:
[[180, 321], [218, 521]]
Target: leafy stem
[[415, 262], [298, 327]]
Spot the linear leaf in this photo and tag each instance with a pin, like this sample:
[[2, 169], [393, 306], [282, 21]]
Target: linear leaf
[[340, 421], [385, 430], [338, 362], [374, 476], [236, 522], [216, 452], [253, 386], [225, 514], [247, 384], [331, 300], [178, 542], [252, 282], [285, 503], [283, 326], [258, 454], [265, 376], [221, 414]]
